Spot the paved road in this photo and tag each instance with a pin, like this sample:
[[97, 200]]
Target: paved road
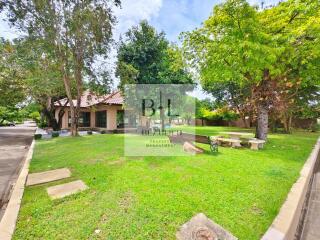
[[311, 227], [14, 145]]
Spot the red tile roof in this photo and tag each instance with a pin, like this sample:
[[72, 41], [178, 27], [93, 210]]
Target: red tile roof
[[89, 99]]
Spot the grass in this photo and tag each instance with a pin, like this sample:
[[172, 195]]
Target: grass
[[150, 197]]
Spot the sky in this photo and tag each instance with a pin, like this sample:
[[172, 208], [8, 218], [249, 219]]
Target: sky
[[170, 16]]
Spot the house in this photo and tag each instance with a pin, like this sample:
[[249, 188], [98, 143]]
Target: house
[[96, 112]]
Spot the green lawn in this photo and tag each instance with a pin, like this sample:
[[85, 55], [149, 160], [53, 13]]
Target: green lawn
[[150, 197]]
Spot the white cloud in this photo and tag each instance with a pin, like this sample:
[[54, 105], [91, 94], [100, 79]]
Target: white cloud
[[132, 12]]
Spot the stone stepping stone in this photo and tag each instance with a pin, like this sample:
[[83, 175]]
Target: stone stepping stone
[[48, 176], [202, 228], [63, 190]]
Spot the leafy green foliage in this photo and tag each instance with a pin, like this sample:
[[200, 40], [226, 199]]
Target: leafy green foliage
[[223, 113], [145, 57], [267, 56], [43, 78], [101, 84], [74, 34], [12, 76], [35, 116], [55, 134], [7, 114], [231, 45], [37, 136]]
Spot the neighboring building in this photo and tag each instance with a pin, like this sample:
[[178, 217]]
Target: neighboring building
[[97, 112]]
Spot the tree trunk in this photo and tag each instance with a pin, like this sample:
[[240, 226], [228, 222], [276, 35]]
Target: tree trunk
[[61, 113], [287, 122], [273, 125], [48, 112], [52, 122], [262, 122], [74, 130], [263, 97], [77, 55], [245, 122], [64, 69], [290, 123]]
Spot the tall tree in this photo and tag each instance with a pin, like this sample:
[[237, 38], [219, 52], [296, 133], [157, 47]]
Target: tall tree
[[12, 76], [42, 79], [146, 57], [239, 44], [75, 32], [296, 27]]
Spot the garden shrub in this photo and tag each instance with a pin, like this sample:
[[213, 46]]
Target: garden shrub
[[35, 116], [89, 132], [218, 114], [103, 132], [37, 136], [55, 134], [42, 123], [315, 127]]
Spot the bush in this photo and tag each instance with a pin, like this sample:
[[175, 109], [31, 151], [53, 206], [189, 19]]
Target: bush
[[89, 132], [315, 127], [37, 136], [103, 132], [42, 123], [35, 116], [219, 114], [8, 115], [55, 134]]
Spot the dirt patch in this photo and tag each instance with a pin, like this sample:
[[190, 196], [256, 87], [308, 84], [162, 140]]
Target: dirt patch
[[117, 162], [256, 210], [126, 201]]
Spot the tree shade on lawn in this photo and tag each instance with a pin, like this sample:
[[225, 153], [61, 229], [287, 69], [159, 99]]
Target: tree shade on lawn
[[151, 197]]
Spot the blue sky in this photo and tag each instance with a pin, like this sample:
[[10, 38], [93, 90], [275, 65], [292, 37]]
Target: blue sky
[[170, 16]]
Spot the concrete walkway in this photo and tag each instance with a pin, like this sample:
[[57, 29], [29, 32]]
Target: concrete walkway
[[14, 145], [311, 227]]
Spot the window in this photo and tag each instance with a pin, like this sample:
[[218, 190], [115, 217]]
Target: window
[[125, 120], [83, 121], [101, 119]]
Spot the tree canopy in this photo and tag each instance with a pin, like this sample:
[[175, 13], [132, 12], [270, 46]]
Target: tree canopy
[[146, 57], [267, 51], [12, 76], [74, 32]]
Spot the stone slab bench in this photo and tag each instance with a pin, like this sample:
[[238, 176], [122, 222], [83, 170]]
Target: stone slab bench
[[189, 137], [256, 144], [232, 142]]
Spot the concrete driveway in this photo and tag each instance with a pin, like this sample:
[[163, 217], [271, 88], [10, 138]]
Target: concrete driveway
[[14, 145]]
